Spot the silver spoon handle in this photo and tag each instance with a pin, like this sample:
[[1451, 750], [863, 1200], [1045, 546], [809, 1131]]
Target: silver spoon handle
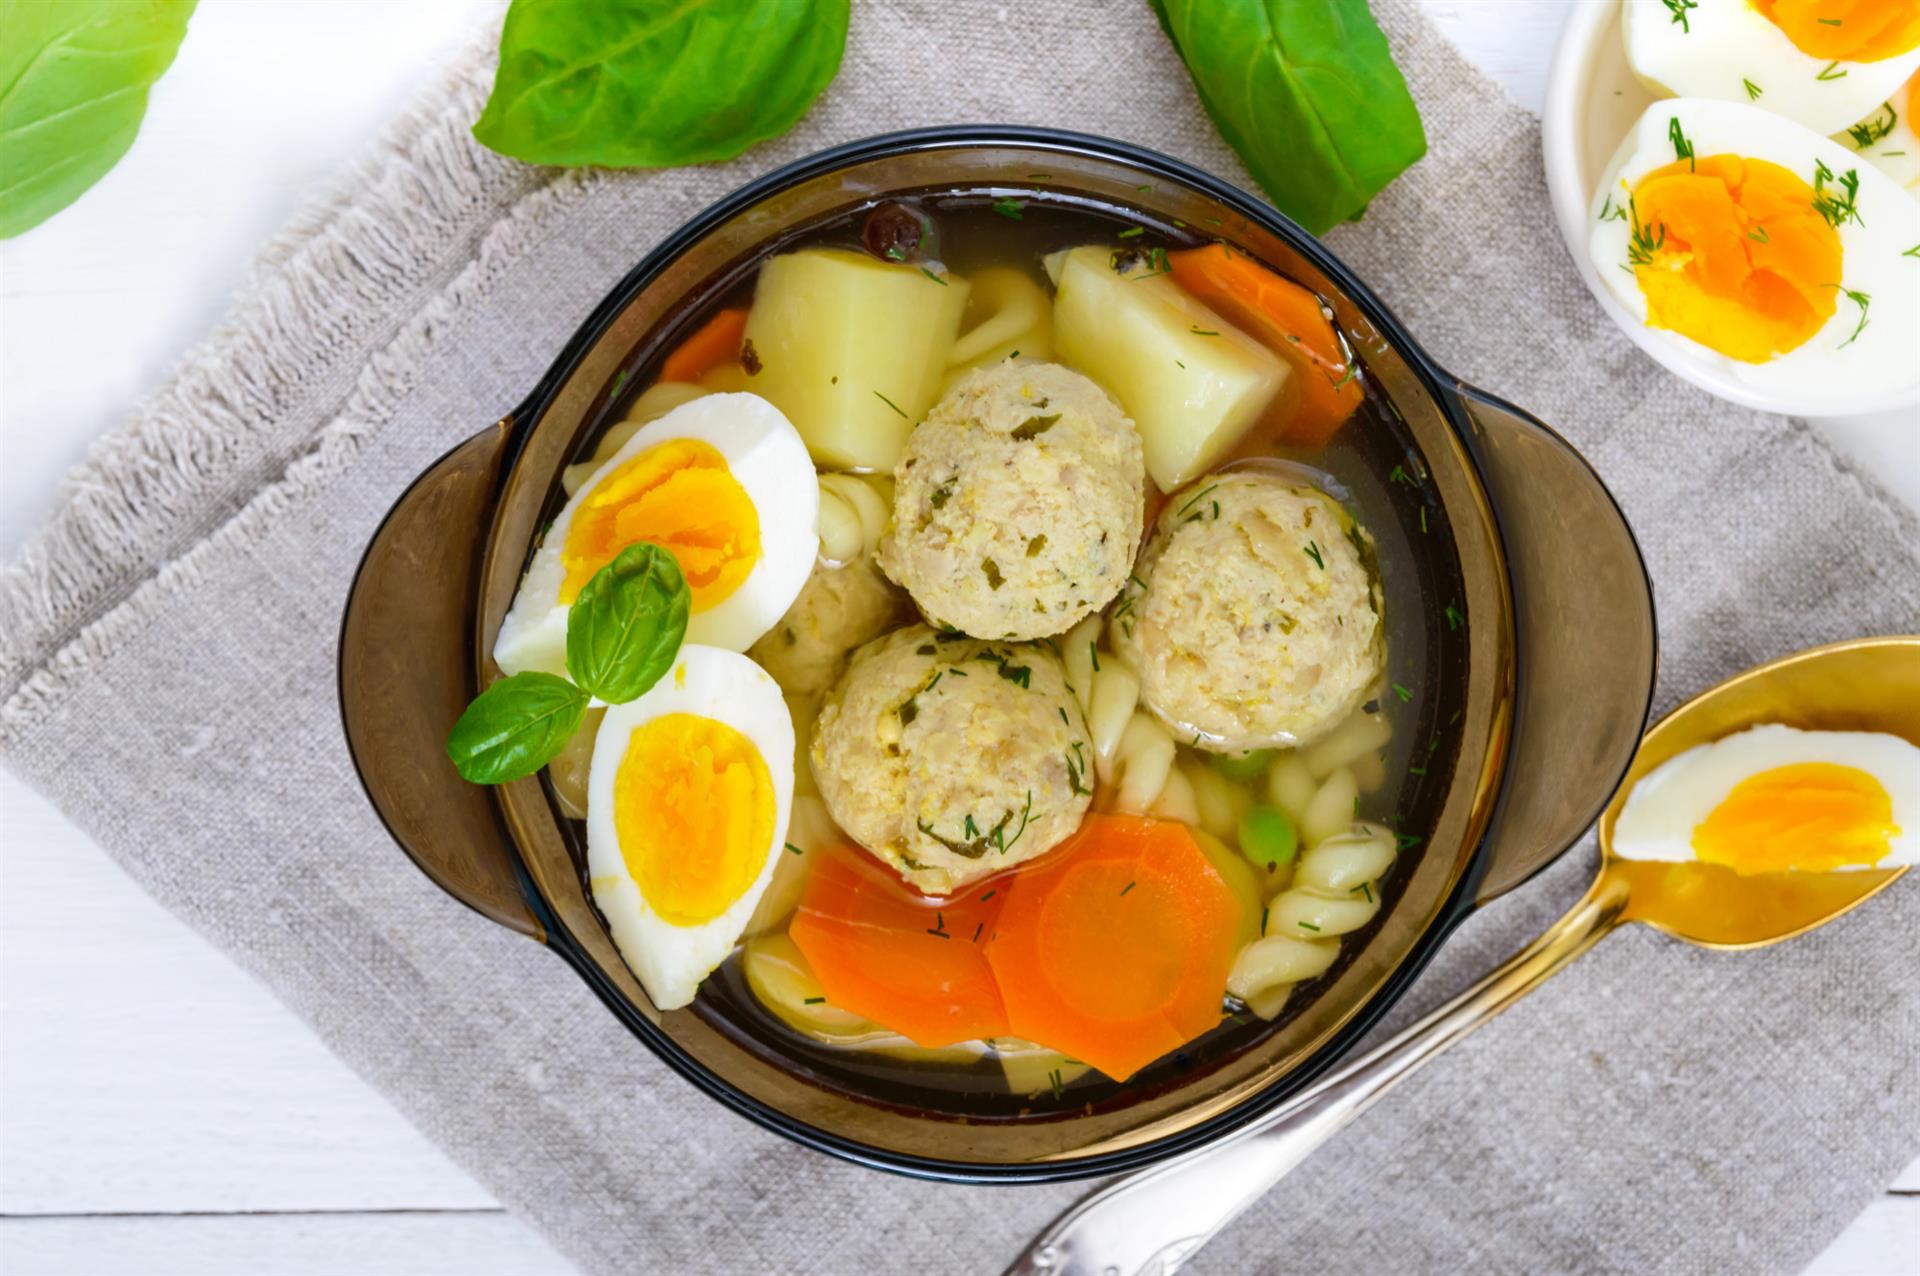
[[1151, 1223]]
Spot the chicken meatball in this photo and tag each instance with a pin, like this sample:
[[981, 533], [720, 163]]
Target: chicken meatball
[[952, 757], [1018, 503], [1256, 617], [838, 609]]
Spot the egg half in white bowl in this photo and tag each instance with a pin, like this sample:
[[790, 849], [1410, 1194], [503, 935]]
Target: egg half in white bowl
[[724, 484], [1821, 63], [688, 800], [1745, 244]]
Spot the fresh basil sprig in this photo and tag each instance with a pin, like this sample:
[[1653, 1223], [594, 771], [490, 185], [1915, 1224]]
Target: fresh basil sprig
[[627, 623], [623, 632], [1308, 94], [642, 84], [515, 727], [75, 77]]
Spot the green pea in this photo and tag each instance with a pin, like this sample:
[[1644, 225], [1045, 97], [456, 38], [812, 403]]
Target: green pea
[[1267, 837], [1242, 767]]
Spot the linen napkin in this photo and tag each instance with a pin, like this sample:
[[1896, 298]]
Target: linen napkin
[[167, 656]]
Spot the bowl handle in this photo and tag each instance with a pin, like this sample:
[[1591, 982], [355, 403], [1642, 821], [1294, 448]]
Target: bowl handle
[[1583, 631], [406, 673]]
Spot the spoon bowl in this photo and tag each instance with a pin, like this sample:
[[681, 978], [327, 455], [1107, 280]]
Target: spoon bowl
[[1151, 1223], [1868, 684]]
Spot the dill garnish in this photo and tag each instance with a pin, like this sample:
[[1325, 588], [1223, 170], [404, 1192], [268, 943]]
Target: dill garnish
[[890, 403], [1007, 206]]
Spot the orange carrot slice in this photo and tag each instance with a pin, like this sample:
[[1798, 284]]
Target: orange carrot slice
[[907, 962], [714, 343], [1115, 948], [1287, 319]]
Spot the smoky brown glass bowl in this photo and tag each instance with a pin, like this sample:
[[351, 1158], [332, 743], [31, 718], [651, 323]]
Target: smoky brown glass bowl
[[1545, 667]]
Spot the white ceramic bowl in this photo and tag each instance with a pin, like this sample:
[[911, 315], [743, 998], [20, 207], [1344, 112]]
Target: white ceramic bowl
[[1593, 99]]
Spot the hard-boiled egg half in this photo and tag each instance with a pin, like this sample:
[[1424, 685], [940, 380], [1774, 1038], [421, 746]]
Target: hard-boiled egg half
[[1889, 137], [724, 484], [1776, 799], [1763, 250], [687, 807], [1822, 63]]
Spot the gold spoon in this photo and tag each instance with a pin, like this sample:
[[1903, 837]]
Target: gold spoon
[[1151, 1223]]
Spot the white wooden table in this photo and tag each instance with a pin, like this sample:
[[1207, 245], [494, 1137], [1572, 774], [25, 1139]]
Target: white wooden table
[[160, 1111]]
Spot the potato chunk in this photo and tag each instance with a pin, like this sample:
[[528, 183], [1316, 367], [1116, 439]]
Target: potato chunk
[[1191, 381], [852, 349]]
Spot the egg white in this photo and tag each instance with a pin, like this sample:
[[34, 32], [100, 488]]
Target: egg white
[[1833, 363], [1671, 800], [671, 960], [1897, 154], [766, 455], [1724, 44]]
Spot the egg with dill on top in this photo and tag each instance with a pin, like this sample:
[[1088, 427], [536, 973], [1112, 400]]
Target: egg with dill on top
[[1889, 136], [1821, 63], [724, 484], [1774, 799], [687, 806], [1764, 250]]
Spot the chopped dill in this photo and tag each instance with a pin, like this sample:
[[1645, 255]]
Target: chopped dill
[[1759, 234], [1308, 926], [1313, 551], [1198, 331], [1678, 8], [1455, 617], [1129, 886], [1132, 231], [1682, 148], [1841, 208], [1407, 841], [1398, 474], [1830, 73], [890, 403], [1406, 696], [1642, 244], [929, 274], [1753, 90], [794, 850], [815, 1001], [1861, 300], [1867, 132], [1008, 207]]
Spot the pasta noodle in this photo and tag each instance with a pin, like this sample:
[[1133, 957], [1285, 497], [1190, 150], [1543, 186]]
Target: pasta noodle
[[1018, 319], [1112, 702], [1076, 653], [1176, 799], [1141, 763], [1332, 893], [854, 513]]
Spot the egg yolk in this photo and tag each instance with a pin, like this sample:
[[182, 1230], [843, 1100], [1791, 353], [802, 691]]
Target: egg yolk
[[1730, 252], [1847, 30], [681, 496], [693, 808], [1810, 817]]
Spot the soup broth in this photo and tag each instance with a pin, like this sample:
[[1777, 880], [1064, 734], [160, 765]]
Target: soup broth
[[1316, 832]]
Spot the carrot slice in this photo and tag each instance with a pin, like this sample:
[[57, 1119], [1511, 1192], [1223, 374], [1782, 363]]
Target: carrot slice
[[1115, 948], [714, 343], [1287, 319], [889, 954]]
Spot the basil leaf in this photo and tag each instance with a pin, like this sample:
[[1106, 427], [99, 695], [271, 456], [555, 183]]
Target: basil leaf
[[645, 84], [626, 626], [515, 727], [76, 74], [1306, 91]]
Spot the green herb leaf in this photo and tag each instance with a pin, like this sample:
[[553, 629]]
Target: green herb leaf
[[1867, 132], [1753, 90], [515, 727], [1831, 73], [76, 76], [1306, 91], [1682, 148], [656, 85], [626, 626], [1678, 8], [1008, 207]]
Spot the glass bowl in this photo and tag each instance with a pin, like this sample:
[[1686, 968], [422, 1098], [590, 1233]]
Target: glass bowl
[[1544, 687]]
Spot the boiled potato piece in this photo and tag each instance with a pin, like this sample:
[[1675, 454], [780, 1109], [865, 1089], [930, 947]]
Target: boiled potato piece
[[1191, 381], [852, 349], [1033, 1068]]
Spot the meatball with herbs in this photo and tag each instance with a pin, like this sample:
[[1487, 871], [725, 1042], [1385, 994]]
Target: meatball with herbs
[[952, 757], [1017, 504], [1255, 619], [838, 609]]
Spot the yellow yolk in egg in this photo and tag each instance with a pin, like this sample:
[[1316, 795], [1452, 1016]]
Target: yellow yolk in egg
[[1847, 30], [680, 496], [694, 813], [1808, 817], [1733, 255]]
